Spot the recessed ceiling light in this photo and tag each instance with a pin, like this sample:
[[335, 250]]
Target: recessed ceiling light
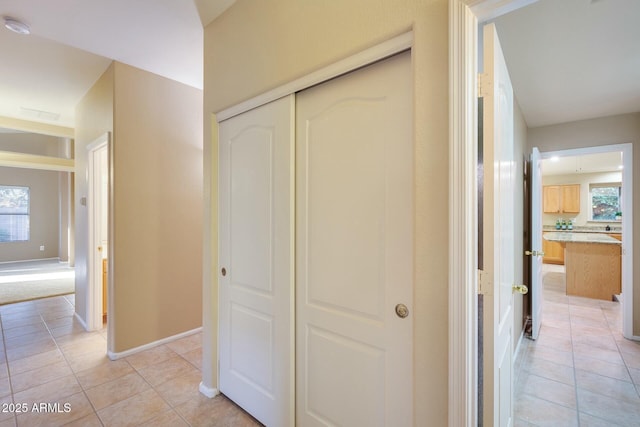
[[555, 159], [16, 26], [620, 167]]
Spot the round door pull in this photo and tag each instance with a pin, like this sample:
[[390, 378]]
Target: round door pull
[[223, 271], [402, 311]]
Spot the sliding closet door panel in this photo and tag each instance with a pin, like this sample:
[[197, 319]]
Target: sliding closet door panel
[[354, 248], [255, 271]]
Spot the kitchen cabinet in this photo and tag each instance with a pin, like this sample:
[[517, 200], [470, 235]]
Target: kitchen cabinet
[[553, 252], [561, 198], [592, 263], [594, 270], [551, 199]]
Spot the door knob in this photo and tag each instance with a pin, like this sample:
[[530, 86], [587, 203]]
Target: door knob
[[534, 253], [521, 289], [402, 311], [223, 271]]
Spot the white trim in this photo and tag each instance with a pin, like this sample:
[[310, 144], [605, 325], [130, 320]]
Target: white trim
[[82, 322], [627, 222], [208, 391], [366, 57], [32, 161], [463, 254], [101, 140], [94, 297], [119, 355], [33, 260], [485, 10], [463, 228]]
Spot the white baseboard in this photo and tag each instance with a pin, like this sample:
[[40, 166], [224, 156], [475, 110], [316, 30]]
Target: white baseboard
[[119, 355], [82, 322], [208, 391], [31, 260]]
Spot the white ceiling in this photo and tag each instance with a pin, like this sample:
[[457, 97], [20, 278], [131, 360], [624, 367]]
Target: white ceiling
[[573, 59], [72, 42], [568, 59]]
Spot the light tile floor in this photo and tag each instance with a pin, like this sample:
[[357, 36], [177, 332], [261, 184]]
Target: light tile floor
[[46, 357], [581, 371]]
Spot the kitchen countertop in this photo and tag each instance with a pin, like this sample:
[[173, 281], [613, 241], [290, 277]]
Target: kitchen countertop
[[569, 237]]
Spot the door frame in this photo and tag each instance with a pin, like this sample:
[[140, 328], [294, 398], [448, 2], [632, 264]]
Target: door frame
[[94, 264], [627, 221], [464, 16]]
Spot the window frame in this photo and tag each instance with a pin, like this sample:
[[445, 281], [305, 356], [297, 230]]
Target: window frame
[[27, 232], [604, 185]]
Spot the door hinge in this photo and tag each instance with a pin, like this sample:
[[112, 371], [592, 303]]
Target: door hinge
[[485, 85], [485, 286]]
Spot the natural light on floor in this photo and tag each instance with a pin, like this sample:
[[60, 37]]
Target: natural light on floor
[[36, 277]]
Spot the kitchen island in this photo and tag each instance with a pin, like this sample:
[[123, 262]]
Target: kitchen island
[[592, 264]]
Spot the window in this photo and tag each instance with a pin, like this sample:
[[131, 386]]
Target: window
[[14, 213], [605, 201]]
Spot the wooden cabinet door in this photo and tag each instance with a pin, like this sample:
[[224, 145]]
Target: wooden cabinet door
[[551, 199], [571, 198], [553, 252]]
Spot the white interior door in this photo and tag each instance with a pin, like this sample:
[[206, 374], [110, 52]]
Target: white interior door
[[498, 250], [536, 244], [354, 248], [256, 264]]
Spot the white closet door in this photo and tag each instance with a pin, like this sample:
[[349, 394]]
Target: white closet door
[[354, 248], [256, 261]]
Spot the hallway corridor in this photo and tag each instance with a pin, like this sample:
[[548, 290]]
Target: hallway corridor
[[46, 357]]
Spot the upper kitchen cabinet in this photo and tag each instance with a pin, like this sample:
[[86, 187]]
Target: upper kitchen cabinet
[[561, 198], [571, 198]]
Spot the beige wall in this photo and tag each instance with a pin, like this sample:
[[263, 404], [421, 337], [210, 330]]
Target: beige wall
[[43, 214], [32, 143], [256, 46], [602, 131], [94, 117], [157, 208], [156, 223], [520, 155]]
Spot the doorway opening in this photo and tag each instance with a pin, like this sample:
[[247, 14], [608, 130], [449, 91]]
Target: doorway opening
[[99, 248], [619, 176]]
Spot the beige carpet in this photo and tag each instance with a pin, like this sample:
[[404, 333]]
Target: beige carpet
[[28, 281]]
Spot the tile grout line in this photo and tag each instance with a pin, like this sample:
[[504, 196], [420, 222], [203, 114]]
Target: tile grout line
[[626, 365], [41, 313], [6, 362], [73, 372], [159, 394], [573, 359]]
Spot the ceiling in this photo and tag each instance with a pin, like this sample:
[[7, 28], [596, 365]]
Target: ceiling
[[72, 42], [573, 59], [568, 60]]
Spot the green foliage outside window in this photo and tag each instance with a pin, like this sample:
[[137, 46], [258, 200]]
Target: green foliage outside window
[[605, 202]]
